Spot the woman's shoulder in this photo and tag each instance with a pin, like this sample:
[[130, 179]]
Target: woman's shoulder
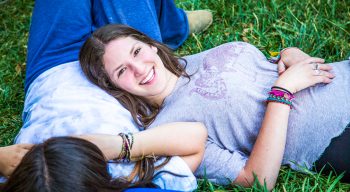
[[234, 47]]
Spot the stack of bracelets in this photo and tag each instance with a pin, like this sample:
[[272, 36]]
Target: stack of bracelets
[[125, 153], [280, 95]]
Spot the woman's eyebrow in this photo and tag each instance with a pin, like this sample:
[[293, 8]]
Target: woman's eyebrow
[[116, 69]]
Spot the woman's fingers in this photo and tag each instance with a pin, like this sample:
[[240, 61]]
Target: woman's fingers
[[323, 67], [321, 74], [314, 60], [281, 67], [321, 70], [322, 79]]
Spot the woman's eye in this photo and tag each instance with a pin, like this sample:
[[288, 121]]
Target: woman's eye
[[137, 51], [121, 71]]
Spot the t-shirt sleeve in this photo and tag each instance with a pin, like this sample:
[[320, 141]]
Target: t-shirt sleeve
[[220, 165]]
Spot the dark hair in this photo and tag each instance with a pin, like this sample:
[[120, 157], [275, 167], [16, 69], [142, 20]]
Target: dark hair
[[91, 61], [68, 164]]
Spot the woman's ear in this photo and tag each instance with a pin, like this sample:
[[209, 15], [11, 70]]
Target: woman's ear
[[154, 48]]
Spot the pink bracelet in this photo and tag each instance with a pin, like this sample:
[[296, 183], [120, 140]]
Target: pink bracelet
[[280, 93]]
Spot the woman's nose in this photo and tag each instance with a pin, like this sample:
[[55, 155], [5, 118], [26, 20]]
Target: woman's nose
[[139, 68]]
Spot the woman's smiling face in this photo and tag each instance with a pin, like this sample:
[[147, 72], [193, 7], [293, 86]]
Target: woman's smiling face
[[136, 68]]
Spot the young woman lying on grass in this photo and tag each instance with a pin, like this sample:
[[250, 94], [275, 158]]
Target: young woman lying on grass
[[258, 117], [80, 164]]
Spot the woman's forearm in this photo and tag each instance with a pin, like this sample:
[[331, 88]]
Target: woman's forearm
[[193, 161], [180, 138], [266, 157], [185, 139]]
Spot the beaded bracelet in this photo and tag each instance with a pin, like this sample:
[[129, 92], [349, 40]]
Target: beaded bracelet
[[280, 95], [127, 143]]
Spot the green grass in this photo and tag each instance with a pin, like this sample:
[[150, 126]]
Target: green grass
[[14, 25], [319, 27]]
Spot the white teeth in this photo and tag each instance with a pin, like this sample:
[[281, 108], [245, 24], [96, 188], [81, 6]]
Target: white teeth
[[149, 77]]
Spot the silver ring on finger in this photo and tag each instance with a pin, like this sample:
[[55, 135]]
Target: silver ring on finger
[[315, 66]]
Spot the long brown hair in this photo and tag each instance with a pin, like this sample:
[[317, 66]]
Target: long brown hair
[[69, 164], [91, 61]]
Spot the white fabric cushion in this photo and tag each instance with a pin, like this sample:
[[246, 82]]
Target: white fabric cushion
[[61, 101]]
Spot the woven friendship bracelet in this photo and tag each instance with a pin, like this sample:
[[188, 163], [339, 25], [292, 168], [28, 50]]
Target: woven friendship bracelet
[[122, 151], [280, 95], [127, 143]]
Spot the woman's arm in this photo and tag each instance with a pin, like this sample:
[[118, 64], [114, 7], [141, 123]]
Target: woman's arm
[[267, 153], [11, 156], [266, 156], [185, 139]]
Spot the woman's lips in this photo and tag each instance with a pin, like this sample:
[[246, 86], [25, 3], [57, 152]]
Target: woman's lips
[[148, 78]]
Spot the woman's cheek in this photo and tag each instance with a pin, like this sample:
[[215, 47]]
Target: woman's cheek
[[126, 84], [148, 55]]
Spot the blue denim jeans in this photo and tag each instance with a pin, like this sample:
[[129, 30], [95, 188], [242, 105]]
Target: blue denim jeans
[[60, 27]]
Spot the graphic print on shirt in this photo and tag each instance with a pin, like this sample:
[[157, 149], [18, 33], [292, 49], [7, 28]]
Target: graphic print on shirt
[[210, 84]]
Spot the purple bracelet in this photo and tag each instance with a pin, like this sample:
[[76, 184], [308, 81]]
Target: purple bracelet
[[280, 93]]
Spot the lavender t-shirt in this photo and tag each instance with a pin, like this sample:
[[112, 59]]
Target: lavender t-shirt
[[227, 92]]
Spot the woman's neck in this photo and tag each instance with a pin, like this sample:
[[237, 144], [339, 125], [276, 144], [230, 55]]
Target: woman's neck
[[170, 86]]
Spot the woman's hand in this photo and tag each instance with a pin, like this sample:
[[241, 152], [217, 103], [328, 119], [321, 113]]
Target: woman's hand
[[304, 74], [11, 156], [291, 56]]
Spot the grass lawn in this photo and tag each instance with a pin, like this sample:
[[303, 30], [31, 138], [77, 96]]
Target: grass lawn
[[319, 27]]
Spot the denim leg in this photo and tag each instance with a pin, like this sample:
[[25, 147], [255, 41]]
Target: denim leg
[[159, 19], [58, 30], [173, 23], [139, 14]]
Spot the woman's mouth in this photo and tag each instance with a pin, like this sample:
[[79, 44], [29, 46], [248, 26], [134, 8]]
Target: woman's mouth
[[149, 77]]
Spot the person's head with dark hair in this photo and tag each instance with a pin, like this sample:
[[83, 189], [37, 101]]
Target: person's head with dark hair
[[121, 45], [67, 164]]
